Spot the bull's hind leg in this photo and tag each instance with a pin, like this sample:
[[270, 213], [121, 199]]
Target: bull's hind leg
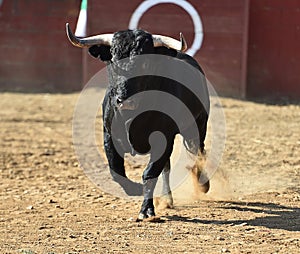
[[196, 146], [199, 177], [200, 174], [166, 200]]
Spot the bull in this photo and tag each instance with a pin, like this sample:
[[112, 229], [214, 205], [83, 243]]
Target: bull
[[118, 107]]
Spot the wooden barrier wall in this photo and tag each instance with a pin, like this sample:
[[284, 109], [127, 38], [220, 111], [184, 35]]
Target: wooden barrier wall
[[250, 47], [225, 24], [274, 55], [35, 53]]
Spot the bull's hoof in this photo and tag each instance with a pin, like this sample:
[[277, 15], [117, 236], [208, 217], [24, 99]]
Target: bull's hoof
[[149, 216], [164, 202], [204, 188], [141, 217], [204, 184]]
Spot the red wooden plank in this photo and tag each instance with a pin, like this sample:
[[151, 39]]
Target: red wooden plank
[[291, 16], [277, 3], [219, 3], [33, 46], [45, 74]]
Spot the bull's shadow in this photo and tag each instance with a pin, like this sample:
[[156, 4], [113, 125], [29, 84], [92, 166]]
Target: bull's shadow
[[277, 216]]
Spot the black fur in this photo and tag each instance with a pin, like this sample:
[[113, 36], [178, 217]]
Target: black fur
[[128, 44]]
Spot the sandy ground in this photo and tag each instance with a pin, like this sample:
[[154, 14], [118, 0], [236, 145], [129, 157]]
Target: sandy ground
[[48, 205]]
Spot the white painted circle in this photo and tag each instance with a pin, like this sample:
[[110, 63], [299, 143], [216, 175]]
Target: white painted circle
[[198, 27]]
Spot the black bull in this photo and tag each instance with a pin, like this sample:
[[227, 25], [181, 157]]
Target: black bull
[[125, 131]]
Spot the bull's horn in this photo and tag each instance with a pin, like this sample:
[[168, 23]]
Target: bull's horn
[[160, 40], [101, 39]]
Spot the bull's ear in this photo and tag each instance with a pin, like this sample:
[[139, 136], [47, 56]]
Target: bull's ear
[[101, 51]]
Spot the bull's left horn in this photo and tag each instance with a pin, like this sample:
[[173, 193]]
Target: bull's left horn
[[101, 39], [160, 40]]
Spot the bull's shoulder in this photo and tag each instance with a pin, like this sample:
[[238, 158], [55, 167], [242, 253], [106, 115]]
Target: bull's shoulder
[[179, 55], [190, 60]]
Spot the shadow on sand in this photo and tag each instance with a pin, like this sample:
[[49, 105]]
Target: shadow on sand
[[276, 216]]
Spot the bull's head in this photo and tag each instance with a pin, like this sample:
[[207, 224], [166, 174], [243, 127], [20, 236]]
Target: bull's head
[[112, 48]]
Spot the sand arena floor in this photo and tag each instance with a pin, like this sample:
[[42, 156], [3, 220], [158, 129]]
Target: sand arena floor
[[48, 205]]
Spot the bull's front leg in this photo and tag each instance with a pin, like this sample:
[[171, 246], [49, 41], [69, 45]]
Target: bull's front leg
[[147, 209], [150, 177], [115, 159]]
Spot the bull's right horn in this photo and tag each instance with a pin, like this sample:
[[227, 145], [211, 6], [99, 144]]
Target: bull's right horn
[[101, 39], [160, 40]]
